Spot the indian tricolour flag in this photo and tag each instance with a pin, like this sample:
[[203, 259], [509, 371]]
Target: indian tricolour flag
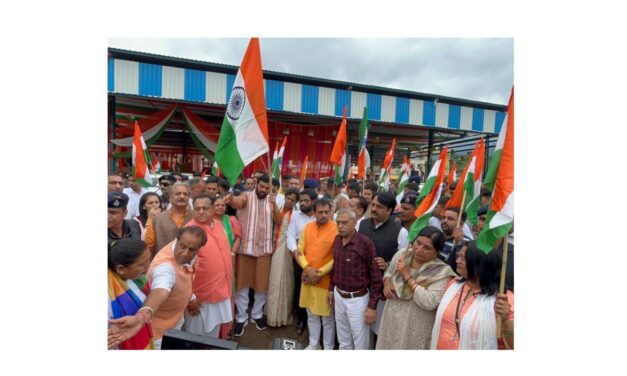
[[467, 193], [384, 176], [452, 175], [364, 158], [339, 147], [141, 160], [278, 160], [472, 184], [215, 169], [500, 216], [303, 171], [431, 192], [244, 133], [156, 166], [404, 180]]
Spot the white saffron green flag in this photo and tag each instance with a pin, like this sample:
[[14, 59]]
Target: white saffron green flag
[[500, 216], [244, 133], [140, 159]]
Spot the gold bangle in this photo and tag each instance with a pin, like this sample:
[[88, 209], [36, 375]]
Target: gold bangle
[[152, 312]]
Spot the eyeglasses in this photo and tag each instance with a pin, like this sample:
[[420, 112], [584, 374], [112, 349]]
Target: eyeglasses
[[460, 256]]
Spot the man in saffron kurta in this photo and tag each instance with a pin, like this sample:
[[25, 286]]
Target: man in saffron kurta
[[316, 258], [213, 275]]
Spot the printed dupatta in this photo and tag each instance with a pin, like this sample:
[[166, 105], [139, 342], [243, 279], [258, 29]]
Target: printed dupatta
[[124, 302]]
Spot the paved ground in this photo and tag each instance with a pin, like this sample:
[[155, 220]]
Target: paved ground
[[262, 340], [255, 339]]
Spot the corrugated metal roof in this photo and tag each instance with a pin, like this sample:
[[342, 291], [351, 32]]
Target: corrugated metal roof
[[200, 85], [308, 80]]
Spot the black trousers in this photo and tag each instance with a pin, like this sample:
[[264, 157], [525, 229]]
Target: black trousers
[[300, 312]]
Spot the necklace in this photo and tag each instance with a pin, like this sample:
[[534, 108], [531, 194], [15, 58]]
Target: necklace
[[460, 305]]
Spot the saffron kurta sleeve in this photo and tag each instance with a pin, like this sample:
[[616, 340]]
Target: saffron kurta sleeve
[[151, 239]]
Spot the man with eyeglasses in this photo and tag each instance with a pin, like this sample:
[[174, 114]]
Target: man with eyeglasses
[[356, 281]]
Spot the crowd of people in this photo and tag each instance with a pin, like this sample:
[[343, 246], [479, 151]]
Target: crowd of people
[[336, 261]]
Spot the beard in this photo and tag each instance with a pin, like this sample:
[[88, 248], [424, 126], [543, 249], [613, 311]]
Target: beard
[[261, 195], [305, 209]]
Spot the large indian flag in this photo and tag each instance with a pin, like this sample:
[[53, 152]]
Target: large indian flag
[[141, 160], [500, 215], [244, 133], [431, 192]]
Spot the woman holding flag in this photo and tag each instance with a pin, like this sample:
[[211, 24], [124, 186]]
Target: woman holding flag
[[467, 316]]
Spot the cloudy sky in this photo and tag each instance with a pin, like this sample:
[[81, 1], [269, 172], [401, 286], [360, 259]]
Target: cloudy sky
[[473, 69]]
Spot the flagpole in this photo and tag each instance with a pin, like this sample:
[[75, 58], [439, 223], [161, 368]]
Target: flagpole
[[459, 218], [264, 164], [499, 333], [461, 208]]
